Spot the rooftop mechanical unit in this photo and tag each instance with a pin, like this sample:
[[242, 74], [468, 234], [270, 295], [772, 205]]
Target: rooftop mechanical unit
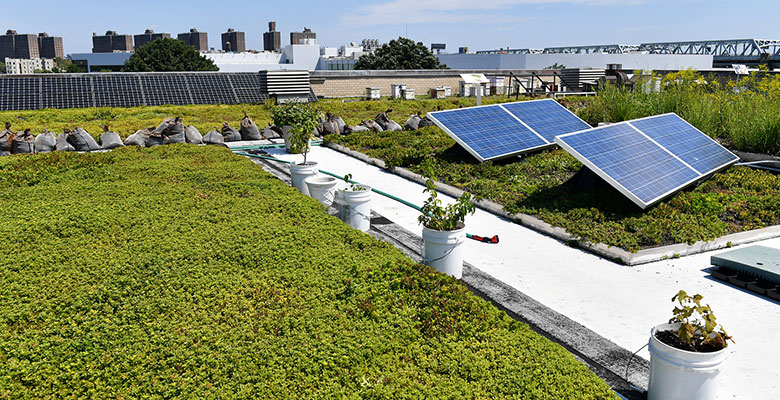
[[286, 85]]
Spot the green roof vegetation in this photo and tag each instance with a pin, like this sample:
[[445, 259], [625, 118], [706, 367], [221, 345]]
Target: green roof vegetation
[[186, 271]]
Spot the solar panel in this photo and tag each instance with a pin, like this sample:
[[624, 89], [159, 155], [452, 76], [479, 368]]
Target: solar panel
[[211, 89], [644, 169], [503, 130], [487, 132], [165, 89], [20, 94], [131, 89], [548, 118], [686, 142], [117, 91], [247, 87], [66, 92]]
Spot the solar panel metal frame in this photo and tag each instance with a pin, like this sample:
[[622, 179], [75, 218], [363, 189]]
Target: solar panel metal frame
[[622, 189], [473, 152]]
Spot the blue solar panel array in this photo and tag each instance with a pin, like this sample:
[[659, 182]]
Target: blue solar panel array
[[548, 118], [503, 130], [648, 159], [489, 131]]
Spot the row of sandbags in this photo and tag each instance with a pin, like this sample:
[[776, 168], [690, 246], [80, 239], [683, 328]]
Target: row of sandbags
[[77, 139], [171, 130], [383, 122]]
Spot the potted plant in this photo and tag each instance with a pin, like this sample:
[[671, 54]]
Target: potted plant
[[443, 229], [686, 354], [354, 204], [302, 119]]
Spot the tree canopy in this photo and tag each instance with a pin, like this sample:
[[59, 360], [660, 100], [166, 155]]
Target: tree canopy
[[166, 54], [401, 53]]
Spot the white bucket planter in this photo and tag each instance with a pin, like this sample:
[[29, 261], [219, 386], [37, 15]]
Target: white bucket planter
[[443, 250], [680, 374], [321, 188], [355, 207], [299, 172]]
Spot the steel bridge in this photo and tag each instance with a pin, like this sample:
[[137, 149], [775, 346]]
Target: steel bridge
[[724, 52]]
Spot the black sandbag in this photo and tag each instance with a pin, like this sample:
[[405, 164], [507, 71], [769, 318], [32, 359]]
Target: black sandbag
[[175, 133], [192, 135], [45, 142], [272, 132], [230, 134], [62, 142], [214, 137], [6, 138], [155, 140], [413, 123], [249, 130], [110, 140], [139, 137], [81, 140], [24, 143], [163, 127], [425, 121]]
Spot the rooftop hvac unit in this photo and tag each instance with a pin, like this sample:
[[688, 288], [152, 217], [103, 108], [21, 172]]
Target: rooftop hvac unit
[[580, 79], [286, 85]]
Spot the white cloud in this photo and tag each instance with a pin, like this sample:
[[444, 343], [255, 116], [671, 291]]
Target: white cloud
[[451, 11]]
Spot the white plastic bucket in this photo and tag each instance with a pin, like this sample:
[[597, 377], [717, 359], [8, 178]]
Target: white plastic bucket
[[355, 207], [679, 374], [321, 188], [299, 172], [443, 250]]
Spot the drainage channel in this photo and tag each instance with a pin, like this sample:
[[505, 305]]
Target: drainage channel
[[606, 359]]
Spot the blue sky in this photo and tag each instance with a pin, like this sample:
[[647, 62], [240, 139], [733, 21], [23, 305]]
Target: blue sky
[[478, 24]]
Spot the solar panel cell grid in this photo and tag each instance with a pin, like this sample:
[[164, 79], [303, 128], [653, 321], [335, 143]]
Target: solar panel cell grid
[[686, 142], [117, 91], [210, 89], [20, 94], [165, 89], [67, 92], [547, 118], [488, 132]]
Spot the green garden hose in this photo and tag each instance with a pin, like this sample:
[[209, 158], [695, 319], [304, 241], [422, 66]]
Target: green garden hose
[[482, 239], [269, 146]]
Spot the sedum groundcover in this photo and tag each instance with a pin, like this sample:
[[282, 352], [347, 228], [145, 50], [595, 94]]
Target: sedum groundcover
[[185, 271]]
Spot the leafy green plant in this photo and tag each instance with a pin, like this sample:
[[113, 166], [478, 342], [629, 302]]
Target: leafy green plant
[[352, 185], [436, 217], [192, 298], [303, 119], [697, 323]]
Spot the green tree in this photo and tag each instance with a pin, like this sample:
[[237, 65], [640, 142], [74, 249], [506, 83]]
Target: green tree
[[62, 65], [2, 68], [401, 53], [166, 54]]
